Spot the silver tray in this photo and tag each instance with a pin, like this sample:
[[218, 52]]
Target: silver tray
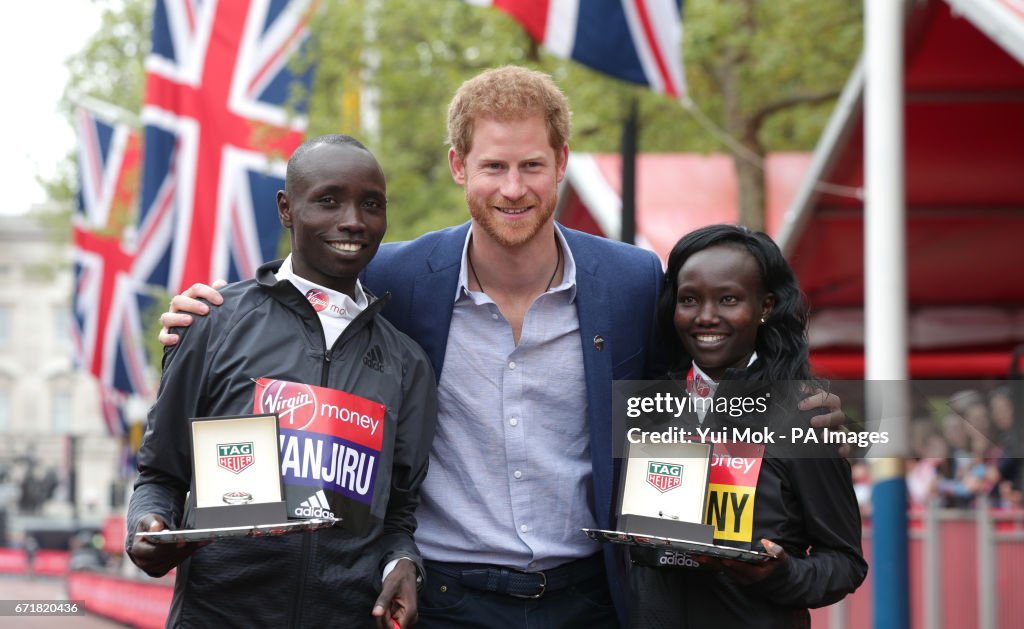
[[664, 543], [256, 530]]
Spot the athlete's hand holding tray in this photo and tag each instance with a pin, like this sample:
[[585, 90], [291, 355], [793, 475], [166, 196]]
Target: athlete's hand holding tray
[[663, 500]]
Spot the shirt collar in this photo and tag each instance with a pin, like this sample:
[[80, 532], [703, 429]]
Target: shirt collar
[[568, 270], [356, 305], [699, 373], [699, 384]]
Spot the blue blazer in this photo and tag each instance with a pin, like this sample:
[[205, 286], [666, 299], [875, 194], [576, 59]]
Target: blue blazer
[[617, 287]]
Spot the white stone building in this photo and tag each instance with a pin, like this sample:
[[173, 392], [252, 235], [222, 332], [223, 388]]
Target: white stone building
[[46, 406]]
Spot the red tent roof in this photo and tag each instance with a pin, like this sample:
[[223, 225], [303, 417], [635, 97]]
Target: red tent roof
[[964, 116], [676, 193]]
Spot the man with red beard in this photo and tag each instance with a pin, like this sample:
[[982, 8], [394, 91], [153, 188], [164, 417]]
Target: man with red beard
[[526, 323]]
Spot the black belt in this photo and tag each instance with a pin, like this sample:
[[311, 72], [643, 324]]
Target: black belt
[[504, 580]]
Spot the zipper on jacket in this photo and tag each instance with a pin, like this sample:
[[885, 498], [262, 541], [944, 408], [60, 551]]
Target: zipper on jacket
[[357, 324], [299, 604], [325, 373]]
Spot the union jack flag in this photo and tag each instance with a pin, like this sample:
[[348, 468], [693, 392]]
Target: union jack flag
[[106, 328], [218, 92], [635, 40]]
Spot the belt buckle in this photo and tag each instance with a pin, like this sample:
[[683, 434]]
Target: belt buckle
[[543, 587]]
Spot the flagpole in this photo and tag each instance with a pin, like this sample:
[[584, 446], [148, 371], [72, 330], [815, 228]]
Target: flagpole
[[630, 126], [885, 303]]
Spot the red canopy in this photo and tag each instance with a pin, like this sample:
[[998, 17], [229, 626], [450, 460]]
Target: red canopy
[[676, 193], [964, 114]]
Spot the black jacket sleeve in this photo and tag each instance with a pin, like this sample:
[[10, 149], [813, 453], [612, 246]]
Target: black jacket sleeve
[[417, 420], [164, 459], [833, 564]]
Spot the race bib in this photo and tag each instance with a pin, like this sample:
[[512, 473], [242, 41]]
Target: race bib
[[330, 448]]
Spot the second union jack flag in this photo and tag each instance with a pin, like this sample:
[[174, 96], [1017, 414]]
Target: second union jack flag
[[106, 331]]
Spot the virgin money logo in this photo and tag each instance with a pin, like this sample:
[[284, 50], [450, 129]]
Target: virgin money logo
[[702, 386], [318, 299], [294, 403]]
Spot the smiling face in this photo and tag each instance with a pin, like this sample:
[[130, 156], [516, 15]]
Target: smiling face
[[719, 306], [510, 176], [337, 213]]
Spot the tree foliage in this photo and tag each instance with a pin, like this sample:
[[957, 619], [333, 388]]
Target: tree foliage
[[766, 72], [769, 73], [108, 70]]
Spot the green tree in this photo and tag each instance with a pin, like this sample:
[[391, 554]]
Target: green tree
[[765, 74], [108, 70], [769, 74]]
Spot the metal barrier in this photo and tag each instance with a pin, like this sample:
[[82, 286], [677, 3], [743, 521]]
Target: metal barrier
[[51, 563], [142, 604], [966, 570]]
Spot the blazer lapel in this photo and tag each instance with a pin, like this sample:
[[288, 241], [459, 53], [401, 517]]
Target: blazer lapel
[[596, 335], [434, 296]]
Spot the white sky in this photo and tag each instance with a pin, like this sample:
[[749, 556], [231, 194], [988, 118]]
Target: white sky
[[35, 40]]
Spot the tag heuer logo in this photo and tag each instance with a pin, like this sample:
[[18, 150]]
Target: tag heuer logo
[[234, 457], [664, 476]]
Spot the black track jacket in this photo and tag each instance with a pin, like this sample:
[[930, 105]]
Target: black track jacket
[[804, 501], [331, 577]]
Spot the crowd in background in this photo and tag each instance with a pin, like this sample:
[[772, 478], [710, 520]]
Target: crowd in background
[[968, 450]]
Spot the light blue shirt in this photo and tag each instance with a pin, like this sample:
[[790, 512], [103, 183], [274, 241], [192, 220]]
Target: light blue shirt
[[510, 477]]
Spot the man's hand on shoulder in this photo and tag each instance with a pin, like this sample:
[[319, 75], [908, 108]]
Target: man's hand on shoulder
[[396, 605], [830, 416], [183, 306]]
